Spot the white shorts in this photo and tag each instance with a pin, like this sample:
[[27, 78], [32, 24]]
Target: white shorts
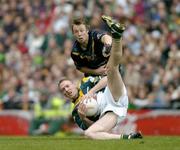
[[107, 103]]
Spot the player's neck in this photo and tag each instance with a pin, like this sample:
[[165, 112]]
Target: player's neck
[[84, 45], [76, 97]]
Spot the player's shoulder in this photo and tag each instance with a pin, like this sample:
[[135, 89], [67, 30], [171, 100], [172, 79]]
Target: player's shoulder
[[75, 47], [96, 33]]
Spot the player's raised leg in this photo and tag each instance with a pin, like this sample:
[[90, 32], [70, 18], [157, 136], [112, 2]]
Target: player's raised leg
[[100, 129], [115, 82]]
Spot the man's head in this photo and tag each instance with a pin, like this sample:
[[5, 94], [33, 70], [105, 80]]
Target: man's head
[[80, 30], [68, 88]]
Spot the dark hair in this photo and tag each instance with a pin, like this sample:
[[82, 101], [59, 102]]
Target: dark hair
[[79, 21]]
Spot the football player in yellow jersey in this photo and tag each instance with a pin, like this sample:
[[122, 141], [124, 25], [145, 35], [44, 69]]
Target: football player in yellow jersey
[[86, 86]]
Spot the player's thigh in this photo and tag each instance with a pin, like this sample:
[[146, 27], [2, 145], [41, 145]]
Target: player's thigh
[[106, 123]]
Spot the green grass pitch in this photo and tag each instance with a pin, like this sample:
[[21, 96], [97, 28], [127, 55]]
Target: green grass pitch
[[79, 143]]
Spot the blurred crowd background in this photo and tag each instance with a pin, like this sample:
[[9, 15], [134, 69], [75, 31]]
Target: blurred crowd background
[[36, 42]]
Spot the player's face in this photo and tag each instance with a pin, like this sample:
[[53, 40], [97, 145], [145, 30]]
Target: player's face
[[68, 89], [81, 33]]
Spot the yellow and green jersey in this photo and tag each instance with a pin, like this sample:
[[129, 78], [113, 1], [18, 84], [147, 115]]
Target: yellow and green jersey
[[85, 85]]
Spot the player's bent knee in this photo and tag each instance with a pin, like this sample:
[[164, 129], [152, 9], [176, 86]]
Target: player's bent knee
[[89, 134]]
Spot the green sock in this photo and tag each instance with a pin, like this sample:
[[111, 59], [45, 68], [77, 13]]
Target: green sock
[[124, 136], [116, 35]]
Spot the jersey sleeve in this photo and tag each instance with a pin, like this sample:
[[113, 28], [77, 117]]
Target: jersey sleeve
[[78, 120], [97, 35]]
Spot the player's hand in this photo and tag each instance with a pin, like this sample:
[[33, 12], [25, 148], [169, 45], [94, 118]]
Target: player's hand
[[106, 39], [87, 95], [82, 110]]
